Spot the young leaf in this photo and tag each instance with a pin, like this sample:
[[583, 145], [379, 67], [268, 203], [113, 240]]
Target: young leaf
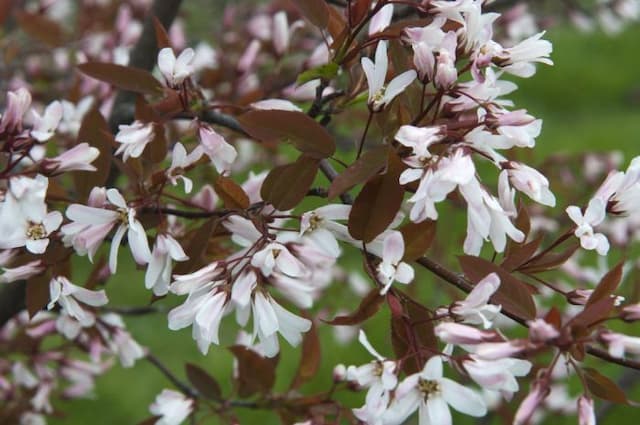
[[203, 382], [367, 166], [162, 38], [316, 11], [549, 261], [367, 308], [123, 77], [256, 374], [603, 387], [287, 185], [607, 285], [377, 204], [325, 72], [271, 126], [519, 254], [309, 359], [232, 195], [42, 28], [418, 237], [513, 294]]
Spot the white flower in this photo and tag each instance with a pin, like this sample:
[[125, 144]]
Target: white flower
[[391, 268], [320, 227], [17, 104], [179, 162], [133, 138], [172, 407], [73, 114], [594, 215], [158, 275], [376, 73], [379, 377], [70, 297], [22, 272], [45, 126], [90, 225], [475, 309], [175, 71], [276, 104], [270, 318], [432, 394], [276, 257], [221, 153], [127, 349], [24, 220], [518, 60], [419, 139]]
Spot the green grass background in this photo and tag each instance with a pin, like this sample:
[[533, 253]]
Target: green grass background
[[590, 100]]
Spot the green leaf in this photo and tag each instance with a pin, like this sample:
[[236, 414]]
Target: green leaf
[[328, 71]]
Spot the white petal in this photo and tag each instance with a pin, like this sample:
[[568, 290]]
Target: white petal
[[115, 246], [463, 399]]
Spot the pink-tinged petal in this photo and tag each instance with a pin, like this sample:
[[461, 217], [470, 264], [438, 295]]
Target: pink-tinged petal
[[435, 412], [432, 369], [114, 196], [89, 215], [38, 246], [55, 290], [115, 246], [393, 248], [92, 298], [410, 174], [381, 19], [404, 273], [586, 413], [463, 399], [243, 288], [288, 264], [326, 241], [276, 104], [210, 315], [155, 268]]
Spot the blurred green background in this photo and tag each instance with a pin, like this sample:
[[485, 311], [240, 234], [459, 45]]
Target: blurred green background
[[590, 100]]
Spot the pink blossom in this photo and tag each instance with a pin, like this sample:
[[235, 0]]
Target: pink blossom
[[175, 70]]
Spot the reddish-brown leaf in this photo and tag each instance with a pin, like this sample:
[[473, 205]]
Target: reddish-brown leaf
[[123, 77], [37, 293], [301, 131], [316, 11], [367, 308], [287, 185], [603, 387], [413, 333], [513, 294], [520, 254], [256, 374], [232, 195], [608, 284], [358, 11], [418, 237], [42, 28], [549, 261], [378, 202], [204, 383], [367, 166], [94, 130], [162, 38], [309, 359], [593, 313]]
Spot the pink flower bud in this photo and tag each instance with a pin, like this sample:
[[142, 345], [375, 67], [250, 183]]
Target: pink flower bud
[[586, 414], [541, 331], [631, 313], [538, 393], [456, 333]]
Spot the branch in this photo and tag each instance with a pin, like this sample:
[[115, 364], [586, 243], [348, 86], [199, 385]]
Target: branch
[[184, 388]]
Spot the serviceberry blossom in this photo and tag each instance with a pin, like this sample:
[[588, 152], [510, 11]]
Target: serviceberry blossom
[[78, 158], [221, 153], [172, 407], [431, 394], [133, 139], [24, 220], [158, 275], [180, 161], [18, 103], [70, 297], [321, 227], [381, 19], [392, 268], [419, 139], [530, 182], [497, 375], [379, 377], [91, 224], [593, 216], [381, 94], [45, 126], [475, 309], [175, 70], [619, 344]]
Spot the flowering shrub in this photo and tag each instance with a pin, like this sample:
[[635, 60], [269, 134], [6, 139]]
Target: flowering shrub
[[217, 170]]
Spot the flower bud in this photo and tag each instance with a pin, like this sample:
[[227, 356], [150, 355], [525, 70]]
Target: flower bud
[[586, 414]]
